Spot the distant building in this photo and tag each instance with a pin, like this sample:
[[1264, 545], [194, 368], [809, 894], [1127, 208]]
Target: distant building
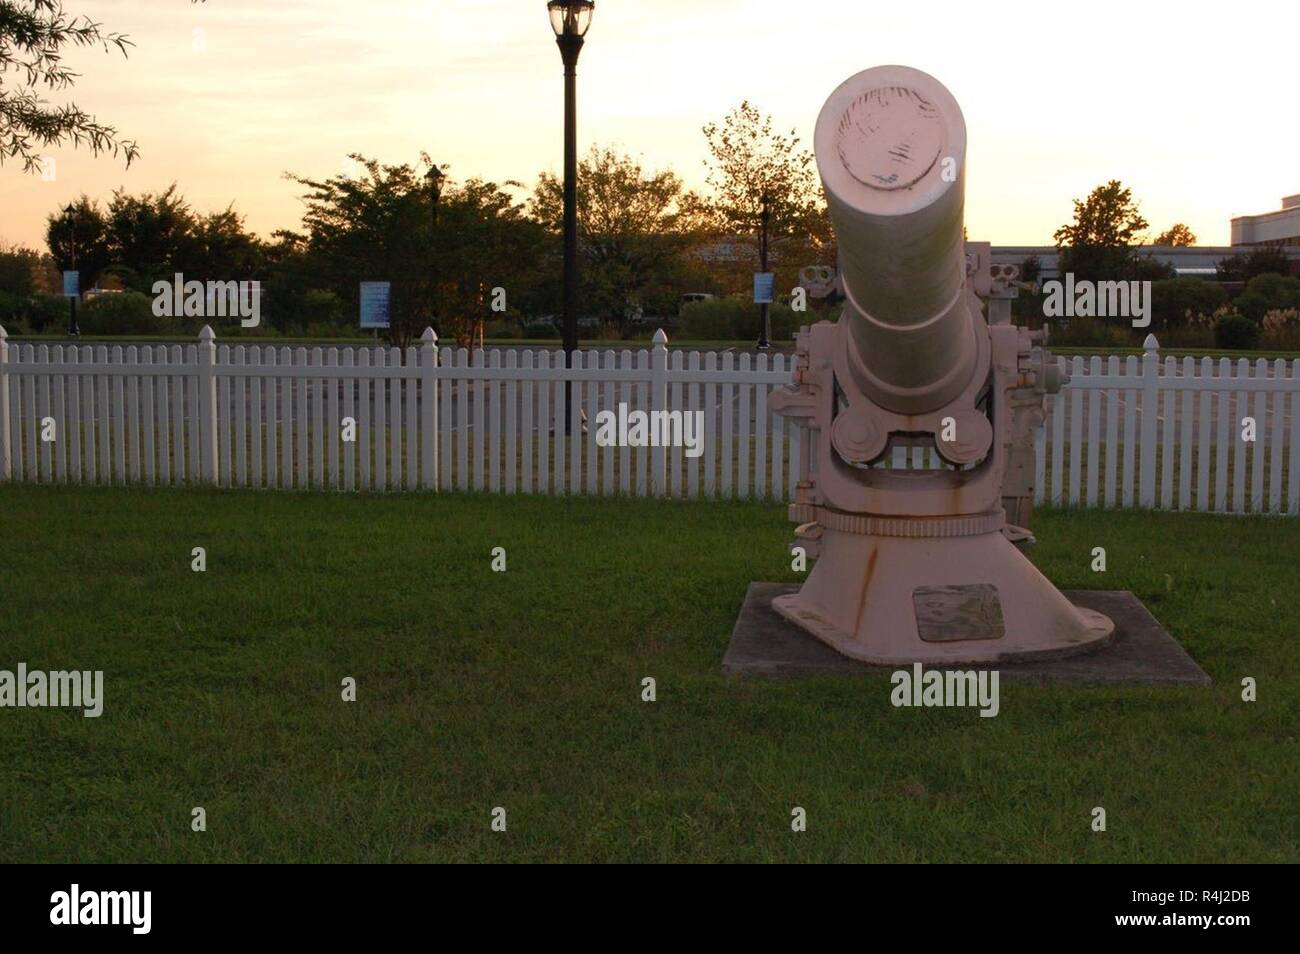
[[1270, 228], [1193, 260]]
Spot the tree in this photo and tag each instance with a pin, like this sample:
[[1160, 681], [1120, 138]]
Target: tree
[[151, 237], [373, 227], [484, 241], [33, 34], [378, 227], [1099, 244], [81, 237], [19, 267], [1178, 235], [634, 227], [750, 161], [1265, 260]]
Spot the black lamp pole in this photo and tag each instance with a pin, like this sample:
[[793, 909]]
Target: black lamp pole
[[71, 214], [570, 46], [765, 217], [434, 175], [570, 20]]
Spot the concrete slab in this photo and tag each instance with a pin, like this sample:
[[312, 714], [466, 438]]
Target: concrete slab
[[763, 643]]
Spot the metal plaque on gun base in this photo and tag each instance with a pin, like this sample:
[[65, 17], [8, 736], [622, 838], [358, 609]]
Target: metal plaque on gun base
[[949, 614]]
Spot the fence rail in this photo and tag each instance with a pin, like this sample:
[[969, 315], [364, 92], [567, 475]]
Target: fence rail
[[1189, 434], [385, 419]]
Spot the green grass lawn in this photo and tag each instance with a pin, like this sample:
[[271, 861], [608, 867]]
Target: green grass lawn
[[523, 690]]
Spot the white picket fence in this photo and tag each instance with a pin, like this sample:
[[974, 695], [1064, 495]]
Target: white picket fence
[[1186, 434], [431, 418], [1126, 432]]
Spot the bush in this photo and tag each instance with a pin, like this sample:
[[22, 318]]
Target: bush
[[1174, 300], [1280, 291], [322, 307], [122, 313], [541, 328], [1093, 333], [736, 319], [42, 314], [1235, 332], [1252, 305], [13, 311], [1280, 330]]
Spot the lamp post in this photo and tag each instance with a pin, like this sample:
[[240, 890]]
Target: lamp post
[[570, 20], [70, 215], [765, 219], [435, 177]]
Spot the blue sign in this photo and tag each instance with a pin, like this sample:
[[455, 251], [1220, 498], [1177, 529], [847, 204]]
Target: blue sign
[[374, 304], [764, 287], [71, 284]]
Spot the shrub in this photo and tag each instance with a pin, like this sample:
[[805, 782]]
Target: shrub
[[1280, 330], [541, 328], [13, 310], [1252, 305], [1174, 300], [1235, 332], [1093, 333], [41, 314], [322, 307], [1280, 291], [123, 313], [736, 319]]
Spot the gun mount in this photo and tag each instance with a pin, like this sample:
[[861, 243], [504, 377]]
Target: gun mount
[[917, 564]]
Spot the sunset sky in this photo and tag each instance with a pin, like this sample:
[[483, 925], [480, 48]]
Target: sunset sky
[[1187, 103]]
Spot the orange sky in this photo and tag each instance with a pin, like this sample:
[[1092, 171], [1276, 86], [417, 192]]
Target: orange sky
[[1184, 102]]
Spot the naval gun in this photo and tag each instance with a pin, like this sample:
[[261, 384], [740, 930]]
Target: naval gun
[[917, 564]]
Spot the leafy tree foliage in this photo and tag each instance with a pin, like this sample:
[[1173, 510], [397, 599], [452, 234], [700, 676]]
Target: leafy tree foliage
[[1099, 245], [1177, 235], [1265, 260], [750, 160], [33, 36], [634, 229]]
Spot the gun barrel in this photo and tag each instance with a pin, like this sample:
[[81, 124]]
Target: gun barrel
[[891, 149]]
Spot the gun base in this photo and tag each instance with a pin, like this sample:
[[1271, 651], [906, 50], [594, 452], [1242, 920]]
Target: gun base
[[937, 598]]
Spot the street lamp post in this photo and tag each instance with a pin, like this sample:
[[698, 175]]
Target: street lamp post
[[765, 219], [570, 20], [435, 177], [70, 214]]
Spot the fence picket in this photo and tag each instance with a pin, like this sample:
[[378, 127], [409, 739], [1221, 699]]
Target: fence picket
[[746, 390], [395, 420], [1203, 447], [59, 412], [1076, 433], [543, 389], [576, 435], [1058, 449], [313, 387], [1239, 445], [494, 426], [148, 446], [512, 420], [1185, 439], [676, 404], [1293, 468], [527, 423], [446, 359], [1259, 413]]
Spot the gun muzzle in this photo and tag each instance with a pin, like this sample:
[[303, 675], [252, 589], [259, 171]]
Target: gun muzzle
[[891, 150]]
